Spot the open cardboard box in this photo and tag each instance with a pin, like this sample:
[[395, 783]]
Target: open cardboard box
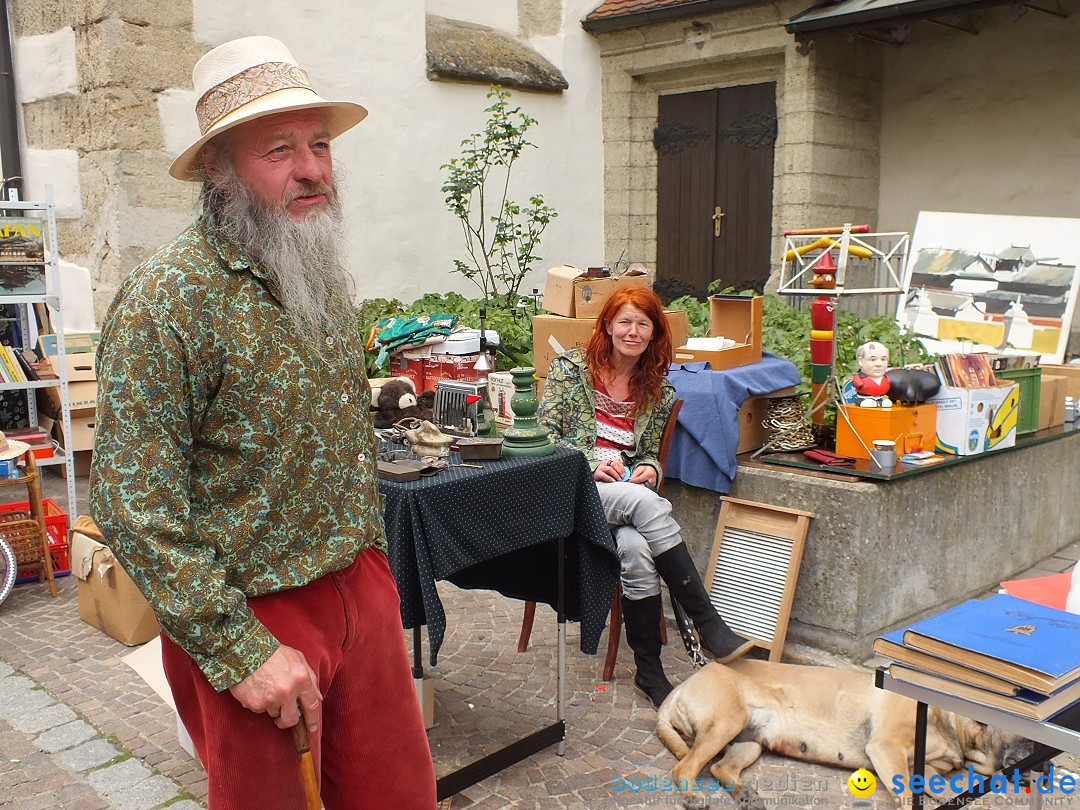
[[737, 317], [973, 420], [569, 292]]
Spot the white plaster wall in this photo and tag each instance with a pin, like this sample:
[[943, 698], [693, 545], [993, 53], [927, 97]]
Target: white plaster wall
[[986, 124], [502, 14], [53, 59], [402, 237], [58, 168]]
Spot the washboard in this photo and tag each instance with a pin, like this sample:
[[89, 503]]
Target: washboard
[[753, 569]]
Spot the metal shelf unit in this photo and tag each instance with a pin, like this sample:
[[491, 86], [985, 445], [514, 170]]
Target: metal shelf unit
[[54, 300]]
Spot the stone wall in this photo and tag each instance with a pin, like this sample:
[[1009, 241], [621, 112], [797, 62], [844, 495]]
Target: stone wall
[[879, 555], [125, 54], [828, 110]]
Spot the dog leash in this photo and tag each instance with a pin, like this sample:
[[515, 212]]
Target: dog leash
[[689, 639]]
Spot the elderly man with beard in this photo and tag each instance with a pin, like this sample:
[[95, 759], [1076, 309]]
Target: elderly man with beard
[[234, 473]]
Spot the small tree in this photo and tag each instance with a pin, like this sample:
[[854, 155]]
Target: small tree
[[501, 236]]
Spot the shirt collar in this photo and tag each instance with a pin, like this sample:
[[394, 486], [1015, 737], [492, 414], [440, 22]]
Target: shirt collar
[[231, 255]]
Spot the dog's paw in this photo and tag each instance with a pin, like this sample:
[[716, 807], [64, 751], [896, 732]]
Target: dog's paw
[[746, 798]]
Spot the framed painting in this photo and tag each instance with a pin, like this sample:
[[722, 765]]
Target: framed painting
[[992, 283]]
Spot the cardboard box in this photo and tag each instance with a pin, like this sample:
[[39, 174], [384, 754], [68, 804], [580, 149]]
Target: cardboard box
[[737, 317], [1071, 375], [569, 292], [752, 434], [973, 420], [910, 426], [146, 661], [570, 333], [108, 599], [1052, 400], [453, 367], [402, 366]]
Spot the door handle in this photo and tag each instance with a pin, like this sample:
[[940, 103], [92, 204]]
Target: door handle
[[717, 218]]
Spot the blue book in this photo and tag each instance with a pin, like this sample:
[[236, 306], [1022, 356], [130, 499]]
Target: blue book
[[1028, 644]]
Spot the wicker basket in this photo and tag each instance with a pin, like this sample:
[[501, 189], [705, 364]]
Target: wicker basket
[[23, 534]]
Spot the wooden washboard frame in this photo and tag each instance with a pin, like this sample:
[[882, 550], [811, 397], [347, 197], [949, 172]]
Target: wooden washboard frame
[[753, 568]]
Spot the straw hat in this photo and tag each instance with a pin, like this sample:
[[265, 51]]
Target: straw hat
[[10, 448], [248, 78]]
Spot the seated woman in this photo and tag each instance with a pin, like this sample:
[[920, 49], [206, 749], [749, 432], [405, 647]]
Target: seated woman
[[611, 401]]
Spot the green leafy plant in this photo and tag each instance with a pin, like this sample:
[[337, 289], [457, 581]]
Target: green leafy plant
[[501, 236]]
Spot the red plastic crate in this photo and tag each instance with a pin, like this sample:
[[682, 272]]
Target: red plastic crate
[[56, 522]]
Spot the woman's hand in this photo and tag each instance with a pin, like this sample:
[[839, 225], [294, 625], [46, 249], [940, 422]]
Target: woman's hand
[[609, 471], [644, 474]]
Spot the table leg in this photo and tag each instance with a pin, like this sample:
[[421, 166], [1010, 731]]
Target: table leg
[[919, 766], [560, 693]]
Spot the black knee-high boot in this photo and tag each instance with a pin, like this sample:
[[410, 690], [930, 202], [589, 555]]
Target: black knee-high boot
[[678, 571], [642, 617]]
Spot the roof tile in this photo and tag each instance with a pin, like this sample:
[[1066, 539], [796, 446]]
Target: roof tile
[[619, 8]]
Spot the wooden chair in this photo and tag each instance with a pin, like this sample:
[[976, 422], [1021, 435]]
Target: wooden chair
[[615, 624], [25, 531]]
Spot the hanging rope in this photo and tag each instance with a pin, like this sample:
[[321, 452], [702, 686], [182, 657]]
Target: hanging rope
[[786, 423]]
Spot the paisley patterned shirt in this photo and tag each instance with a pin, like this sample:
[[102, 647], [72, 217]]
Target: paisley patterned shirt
[[232, 459], [568, 413]]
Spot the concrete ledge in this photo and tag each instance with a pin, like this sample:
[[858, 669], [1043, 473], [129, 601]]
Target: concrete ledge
[[881, 554]]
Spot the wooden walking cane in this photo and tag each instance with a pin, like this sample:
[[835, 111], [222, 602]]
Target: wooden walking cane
[[307, 765]]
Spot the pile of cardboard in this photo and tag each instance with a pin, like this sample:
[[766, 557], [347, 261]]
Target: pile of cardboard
[[82, 394], [574, 299]]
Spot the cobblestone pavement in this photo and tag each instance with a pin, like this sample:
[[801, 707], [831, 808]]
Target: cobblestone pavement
[[79, 730]]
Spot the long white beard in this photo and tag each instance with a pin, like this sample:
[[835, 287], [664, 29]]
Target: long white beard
[[304, 260]]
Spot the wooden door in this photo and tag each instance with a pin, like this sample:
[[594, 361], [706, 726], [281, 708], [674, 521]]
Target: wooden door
[[715, 162]]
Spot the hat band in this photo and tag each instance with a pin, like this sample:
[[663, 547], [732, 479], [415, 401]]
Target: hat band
[[245, 87]]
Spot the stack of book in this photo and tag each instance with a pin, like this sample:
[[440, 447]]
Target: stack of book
[[966, 370], [14, 367], [1001, 652]]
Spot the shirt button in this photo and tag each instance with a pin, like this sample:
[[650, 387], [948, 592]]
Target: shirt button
[[329, 341], [361, 457], [344, 397]]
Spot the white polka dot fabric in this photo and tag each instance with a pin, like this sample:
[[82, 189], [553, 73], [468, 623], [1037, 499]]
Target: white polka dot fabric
[[497, 528]]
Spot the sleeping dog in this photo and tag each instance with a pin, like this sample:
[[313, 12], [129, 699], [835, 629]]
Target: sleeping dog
[[819, 714]]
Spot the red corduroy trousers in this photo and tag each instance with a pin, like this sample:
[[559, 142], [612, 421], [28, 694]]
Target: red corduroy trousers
[[371, 749]]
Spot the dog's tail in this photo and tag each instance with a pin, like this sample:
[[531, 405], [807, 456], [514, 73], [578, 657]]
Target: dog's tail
[[667, 732]]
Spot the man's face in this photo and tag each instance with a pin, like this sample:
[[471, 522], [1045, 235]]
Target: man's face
[[285, 160], [874, 361]]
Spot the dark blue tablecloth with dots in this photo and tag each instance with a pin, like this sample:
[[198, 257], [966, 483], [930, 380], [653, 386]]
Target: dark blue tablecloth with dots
[[497, 528]]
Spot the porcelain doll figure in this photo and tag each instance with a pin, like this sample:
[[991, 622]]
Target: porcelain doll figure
[[871, 384]]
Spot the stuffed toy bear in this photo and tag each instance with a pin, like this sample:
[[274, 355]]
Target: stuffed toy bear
[[396, 399]]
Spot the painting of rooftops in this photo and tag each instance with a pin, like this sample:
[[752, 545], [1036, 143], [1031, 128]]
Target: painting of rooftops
[[992, 283], [22, 256]]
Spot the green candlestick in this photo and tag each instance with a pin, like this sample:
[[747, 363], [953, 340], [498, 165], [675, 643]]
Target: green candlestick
[[526, 437]]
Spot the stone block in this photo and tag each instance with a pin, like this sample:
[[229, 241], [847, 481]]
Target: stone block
[[141, 57], [118, 777], [66, 736], [101, 118], [155, 13], [144, 176], [52, 56], [89, 755], [31, 17], [37, 720]]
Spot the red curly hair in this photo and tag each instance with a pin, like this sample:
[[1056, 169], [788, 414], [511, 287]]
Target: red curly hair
[[653, 364]]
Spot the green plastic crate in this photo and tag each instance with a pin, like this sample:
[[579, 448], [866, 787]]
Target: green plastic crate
[[1029, 381]]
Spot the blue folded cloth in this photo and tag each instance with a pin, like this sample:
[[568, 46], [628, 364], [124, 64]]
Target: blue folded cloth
[[703, 446]]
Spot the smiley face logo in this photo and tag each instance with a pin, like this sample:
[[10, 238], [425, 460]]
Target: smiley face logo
[[861, 783]]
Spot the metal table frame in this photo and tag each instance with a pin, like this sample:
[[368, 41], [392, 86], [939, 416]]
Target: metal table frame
[[1052, 736]]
